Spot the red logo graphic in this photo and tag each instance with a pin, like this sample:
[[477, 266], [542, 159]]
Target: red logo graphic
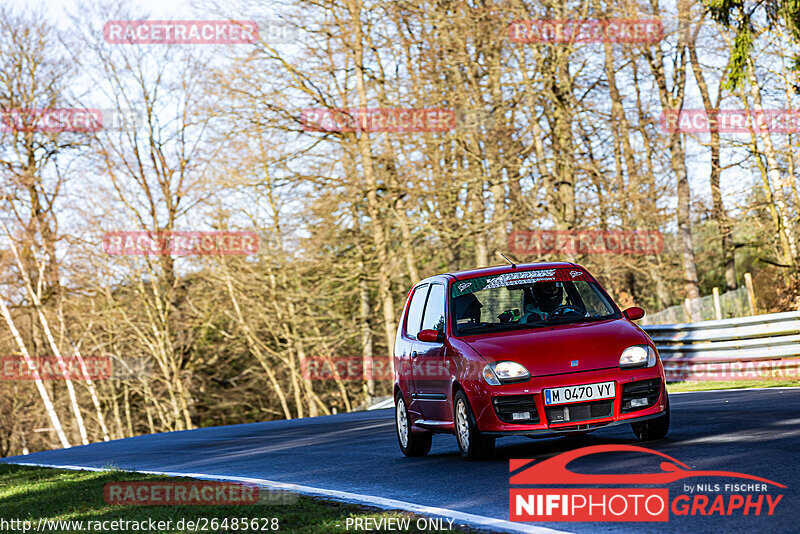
[[626, 504], [589, 505]]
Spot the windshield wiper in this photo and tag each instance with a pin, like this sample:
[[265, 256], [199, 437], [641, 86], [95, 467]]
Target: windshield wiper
[[463, 330], [568, 320], [552, 321]]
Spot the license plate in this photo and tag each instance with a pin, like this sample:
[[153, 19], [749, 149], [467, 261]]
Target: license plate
[[585, 392]]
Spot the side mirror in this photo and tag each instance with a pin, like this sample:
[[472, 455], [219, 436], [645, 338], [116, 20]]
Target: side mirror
[[431, 336], [634, 313]]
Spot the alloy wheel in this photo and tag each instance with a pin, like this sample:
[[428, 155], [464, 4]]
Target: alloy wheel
[[463, 424], [402, 422]]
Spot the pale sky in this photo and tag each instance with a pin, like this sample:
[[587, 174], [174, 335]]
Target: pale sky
[[156, 8], [735, 181]]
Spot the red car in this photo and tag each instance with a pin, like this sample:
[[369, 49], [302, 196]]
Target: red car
[[534, 350]]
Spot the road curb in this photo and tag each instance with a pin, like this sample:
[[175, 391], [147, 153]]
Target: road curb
[[460, 518]]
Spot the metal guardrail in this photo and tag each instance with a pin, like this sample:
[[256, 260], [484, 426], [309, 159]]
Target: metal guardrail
[[756, 347], [385, 402]]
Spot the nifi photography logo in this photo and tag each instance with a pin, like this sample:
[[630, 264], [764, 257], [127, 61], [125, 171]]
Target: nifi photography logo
[[748, 496]]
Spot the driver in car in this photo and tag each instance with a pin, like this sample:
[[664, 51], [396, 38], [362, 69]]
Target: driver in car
[[541, 300]]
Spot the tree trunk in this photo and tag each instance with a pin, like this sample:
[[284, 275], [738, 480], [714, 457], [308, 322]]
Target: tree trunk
[[48, 405], [670, 103], [366, 336], [718, 211], [73, 398], [373, 207], [787, 236]]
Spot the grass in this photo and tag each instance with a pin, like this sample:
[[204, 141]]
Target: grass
[[33, 493], [701, 385]]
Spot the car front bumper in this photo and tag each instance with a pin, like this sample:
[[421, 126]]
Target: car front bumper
[[599, 414]]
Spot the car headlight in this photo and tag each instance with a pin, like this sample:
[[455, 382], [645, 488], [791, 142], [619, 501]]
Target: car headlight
[[637, 356], [504, 373]]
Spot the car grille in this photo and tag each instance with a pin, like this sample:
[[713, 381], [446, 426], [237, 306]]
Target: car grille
[[506, 406], [641, 389], [580, 411]]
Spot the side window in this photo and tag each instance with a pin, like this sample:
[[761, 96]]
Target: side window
[[593, 301], [434, 311], [415, 310]]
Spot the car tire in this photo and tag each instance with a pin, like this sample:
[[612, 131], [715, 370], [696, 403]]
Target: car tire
[[471, 442], [655, 428], [411, 443]]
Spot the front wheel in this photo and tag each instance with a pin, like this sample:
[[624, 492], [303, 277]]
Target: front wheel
[[655, 428], [473, 444], [410, 443]]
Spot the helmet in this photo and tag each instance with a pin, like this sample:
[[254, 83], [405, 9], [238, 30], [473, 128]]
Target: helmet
[[468, 307], [548, 294]]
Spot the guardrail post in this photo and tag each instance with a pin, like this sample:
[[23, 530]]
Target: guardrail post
[[687, 307], [751, 295], [717, 307]]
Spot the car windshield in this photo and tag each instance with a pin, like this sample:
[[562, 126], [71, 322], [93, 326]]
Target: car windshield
[[527, 299]]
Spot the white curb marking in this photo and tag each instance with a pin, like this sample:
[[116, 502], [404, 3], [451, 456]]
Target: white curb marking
[[479, 521]]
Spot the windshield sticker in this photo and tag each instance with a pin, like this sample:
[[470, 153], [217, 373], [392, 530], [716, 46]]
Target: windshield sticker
[[517, 278]]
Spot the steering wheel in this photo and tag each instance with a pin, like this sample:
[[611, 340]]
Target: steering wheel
[[565, 309]]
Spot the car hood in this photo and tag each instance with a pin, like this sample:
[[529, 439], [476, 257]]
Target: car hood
[[552, 350]]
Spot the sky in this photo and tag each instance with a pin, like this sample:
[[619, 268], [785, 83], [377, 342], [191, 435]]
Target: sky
[[156, 8], [735, 181]]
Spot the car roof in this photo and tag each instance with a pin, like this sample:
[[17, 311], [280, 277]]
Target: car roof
[[502, 269], [495, 270]]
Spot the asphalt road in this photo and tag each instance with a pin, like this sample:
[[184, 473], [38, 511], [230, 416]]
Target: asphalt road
[[748, 431]]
